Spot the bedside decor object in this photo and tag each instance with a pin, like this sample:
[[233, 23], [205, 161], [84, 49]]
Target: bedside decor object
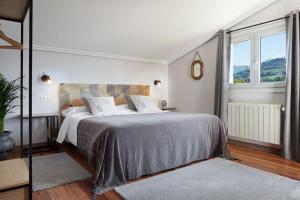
[[9, 93], [157, 83], [197, 67], [46, 78], [164, 103]]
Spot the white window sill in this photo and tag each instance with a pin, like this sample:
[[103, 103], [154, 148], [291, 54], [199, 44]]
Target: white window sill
[[273, 88]]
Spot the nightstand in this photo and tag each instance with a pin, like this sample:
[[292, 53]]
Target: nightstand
[[169, 109], [52, 125]]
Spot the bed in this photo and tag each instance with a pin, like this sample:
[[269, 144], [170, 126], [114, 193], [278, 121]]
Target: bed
[[129, 145]]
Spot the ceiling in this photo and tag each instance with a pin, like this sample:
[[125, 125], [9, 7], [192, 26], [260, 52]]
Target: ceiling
[[157, 30]]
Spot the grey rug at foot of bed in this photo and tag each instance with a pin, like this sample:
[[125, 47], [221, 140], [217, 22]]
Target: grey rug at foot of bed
[[215, 179], [56, 169]]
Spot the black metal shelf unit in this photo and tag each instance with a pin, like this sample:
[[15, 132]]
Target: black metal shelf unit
[[16, 11]]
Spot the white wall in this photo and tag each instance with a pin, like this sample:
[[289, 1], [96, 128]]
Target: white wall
[[68, 68], [190, 95]]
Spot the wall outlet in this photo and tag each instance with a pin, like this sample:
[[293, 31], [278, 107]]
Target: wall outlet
[[45, 98]]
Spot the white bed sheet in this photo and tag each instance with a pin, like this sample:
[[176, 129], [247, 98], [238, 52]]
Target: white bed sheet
[[68, 129]]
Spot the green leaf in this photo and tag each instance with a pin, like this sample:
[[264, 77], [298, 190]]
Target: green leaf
[[9, 94]]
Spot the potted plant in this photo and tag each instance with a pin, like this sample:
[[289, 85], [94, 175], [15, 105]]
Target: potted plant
[[9, 93]]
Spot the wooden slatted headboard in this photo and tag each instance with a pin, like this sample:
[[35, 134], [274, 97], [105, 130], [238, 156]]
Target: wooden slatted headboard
[[71, 94]]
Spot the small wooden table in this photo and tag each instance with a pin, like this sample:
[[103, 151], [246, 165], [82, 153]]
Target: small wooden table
[[52, 124]]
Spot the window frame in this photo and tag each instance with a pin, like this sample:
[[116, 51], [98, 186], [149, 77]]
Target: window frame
[[255, 35]]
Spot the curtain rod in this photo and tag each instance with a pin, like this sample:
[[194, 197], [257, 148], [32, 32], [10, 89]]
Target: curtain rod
[[273, 20]]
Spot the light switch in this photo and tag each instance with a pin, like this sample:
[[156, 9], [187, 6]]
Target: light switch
[[45, 98]]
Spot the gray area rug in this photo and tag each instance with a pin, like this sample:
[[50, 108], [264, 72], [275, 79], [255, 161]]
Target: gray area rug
[[216, 179], [56, 169]]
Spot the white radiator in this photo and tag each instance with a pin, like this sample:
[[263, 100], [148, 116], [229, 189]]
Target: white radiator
[[258, 122]]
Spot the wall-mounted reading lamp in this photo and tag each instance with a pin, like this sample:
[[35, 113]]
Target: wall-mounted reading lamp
[[46, 78], [157, 83]]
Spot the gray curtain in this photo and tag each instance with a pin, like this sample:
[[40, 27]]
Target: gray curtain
[[222, 75], [219, 75], [291, 132]]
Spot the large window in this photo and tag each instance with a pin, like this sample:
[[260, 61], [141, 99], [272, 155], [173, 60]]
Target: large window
[[258, 58]]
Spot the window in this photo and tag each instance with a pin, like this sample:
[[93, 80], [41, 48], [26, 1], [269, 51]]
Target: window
[[258, 58], [241, 61], [273, 58]]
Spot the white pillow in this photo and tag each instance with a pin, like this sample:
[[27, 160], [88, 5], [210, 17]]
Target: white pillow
[[122, 107], [145, 104], [103, 106], [72, 110]]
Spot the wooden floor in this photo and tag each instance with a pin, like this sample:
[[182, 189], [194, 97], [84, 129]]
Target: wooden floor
[[245, 155]]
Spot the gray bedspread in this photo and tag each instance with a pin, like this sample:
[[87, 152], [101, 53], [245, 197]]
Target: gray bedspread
[[126, 147]]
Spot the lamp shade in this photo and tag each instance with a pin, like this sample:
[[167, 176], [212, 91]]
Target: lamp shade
[[46, 78], [157, 82]]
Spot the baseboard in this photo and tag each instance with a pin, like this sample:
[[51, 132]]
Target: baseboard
[[261, 146]]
